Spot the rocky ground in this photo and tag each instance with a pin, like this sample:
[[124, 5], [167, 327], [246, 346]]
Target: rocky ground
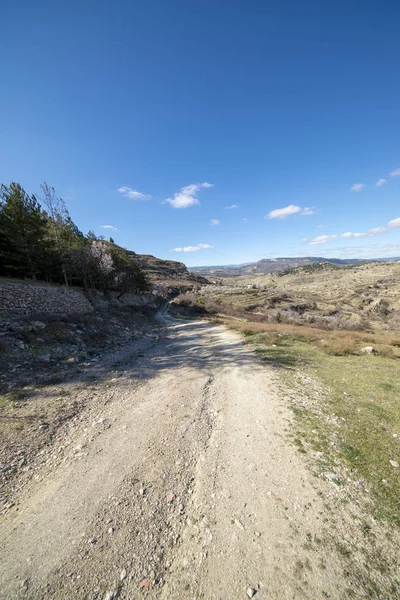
[[165, 471]]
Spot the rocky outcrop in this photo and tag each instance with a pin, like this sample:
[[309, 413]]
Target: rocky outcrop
[[168, 277], [151, 301]]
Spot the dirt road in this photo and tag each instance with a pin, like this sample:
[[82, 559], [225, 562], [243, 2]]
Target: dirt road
[[177, 482]]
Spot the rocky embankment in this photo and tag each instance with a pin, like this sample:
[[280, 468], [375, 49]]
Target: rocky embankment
[[36, 347]]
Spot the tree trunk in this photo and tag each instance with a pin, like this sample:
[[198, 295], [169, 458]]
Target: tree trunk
[[65, 275]]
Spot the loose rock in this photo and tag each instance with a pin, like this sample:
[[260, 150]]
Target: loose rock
[[144, 584], [368, 350], [239, 524]]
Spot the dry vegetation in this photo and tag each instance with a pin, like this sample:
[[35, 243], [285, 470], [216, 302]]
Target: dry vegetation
[[365, 297], [334, 342], [313, 323]]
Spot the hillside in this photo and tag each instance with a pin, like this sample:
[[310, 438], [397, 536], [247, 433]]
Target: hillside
[[40, 242], [269, 265], [354, 296], [167, 276]]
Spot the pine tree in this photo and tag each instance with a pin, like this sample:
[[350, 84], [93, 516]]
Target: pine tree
[[128, 275], [24, 250], [62, 232]]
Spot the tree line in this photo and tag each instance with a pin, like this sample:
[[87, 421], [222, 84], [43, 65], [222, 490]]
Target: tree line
[[40, 241]]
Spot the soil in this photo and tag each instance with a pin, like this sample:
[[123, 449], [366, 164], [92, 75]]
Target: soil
[[174, 478]]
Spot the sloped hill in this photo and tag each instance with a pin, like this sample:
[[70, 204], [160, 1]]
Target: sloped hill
[[269, 265], [166, 275], [365, 296]]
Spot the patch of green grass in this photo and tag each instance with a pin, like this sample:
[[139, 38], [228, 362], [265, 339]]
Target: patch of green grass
[[16, 396], [6, 402], [362, 399]]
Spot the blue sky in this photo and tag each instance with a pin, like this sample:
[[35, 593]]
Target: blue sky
[[153, 117]]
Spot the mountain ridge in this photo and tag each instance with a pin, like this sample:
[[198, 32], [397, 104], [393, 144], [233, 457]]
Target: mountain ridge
[[269, 265]]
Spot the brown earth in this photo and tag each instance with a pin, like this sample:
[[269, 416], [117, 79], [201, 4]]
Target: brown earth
[[177, 480]]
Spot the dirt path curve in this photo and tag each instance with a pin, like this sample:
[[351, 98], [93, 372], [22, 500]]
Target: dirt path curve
[[177, 483]]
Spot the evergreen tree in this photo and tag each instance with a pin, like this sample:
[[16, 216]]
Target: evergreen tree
[[62, 232], [49, 245], [128, 275], [24, 250]]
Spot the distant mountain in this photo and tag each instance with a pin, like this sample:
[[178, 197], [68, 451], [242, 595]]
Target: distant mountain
[[268, 265]]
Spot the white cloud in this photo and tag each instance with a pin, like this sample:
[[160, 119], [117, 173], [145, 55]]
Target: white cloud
[[292, 209], [357, 187], [232, 206], [133, 194], [282, 213], [187, 196], [348, 235], [110, 227], [307, 211], [192, 248], [394, 223], [214, 222], [395, 173], [381, 182], [377, 230], [320, 226], [322, 239], [245, 220]]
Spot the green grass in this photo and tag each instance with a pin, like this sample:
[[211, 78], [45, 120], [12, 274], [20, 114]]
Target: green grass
[[361, 406]]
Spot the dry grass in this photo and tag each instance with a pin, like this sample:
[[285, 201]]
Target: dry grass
[[338, 343], [365, 297]]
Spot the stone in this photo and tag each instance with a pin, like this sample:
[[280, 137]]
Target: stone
[[123, 575], [170, 497], [251, 592], [368, 350], [109, 596], [394, 464], [36, 325], [20, 345], [144, 584]]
